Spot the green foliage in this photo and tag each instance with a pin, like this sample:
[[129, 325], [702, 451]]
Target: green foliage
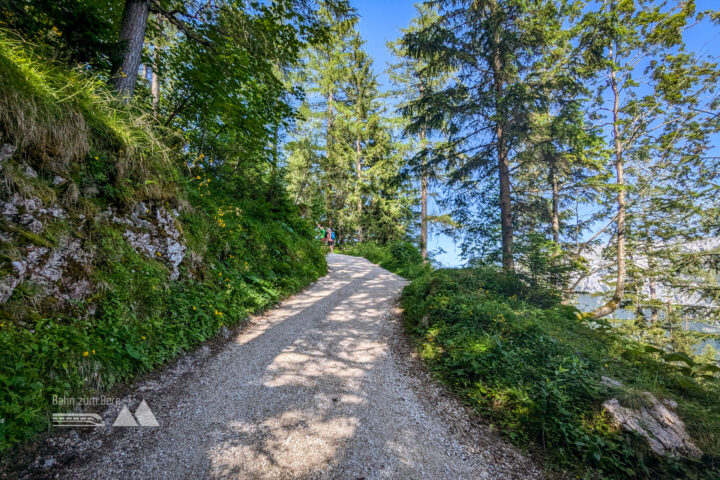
[[399, 257], [247, 246], [345, 157], [533, 366]]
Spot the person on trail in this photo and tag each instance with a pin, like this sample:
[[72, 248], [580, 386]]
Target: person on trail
[[320, 232], [330, 238]]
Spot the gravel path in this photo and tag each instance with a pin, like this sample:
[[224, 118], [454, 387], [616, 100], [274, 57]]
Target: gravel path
[[323, 386]]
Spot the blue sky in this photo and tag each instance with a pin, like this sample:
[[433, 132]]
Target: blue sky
[[381, 21]]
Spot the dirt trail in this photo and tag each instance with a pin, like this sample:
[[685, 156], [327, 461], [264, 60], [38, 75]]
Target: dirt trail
[[323, 386]]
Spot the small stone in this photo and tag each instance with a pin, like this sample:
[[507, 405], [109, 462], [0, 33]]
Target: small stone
[[610, 382]]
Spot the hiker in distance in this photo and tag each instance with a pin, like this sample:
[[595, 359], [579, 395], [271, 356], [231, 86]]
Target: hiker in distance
[[320, 232], [330, 238]]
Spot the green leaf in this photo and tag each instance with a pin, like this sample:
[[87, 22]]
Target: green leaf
[[133, 351], [679, 357]]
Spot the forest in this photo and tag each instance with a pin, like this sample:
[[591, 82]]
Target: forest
[[165, 163]]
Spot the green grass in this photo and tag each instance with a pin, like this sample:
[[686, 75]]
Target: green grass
[[532, 366]]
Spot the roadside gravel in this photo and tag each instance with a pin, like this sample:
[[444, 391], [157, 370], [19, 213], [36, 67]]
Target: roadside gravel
[[323, 386]]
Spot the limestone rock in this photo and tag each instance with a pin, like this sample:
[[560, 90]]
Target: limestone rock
[[6, 151], [159, 238], [658, 423]]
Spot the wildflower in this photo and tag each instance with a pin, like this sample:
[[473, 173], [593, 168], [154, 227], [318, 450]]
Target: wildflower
[[220, 274], [194, 308], [93, 351], [96, 157], [216, 312], [143, 337], [198, 177], [85, 354]]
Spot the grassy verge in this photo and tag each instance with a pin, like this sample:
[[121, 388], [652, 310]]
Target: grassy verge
[[400, 257], [533, 367], [246, 245]]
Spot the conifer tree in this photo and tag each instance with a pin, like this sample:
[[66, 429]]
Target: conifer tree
[[416, 80]]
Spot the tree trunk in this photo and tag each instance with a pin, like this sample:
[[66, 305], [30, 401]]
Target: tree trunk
[[423, 203], [506, 227], [555, 204], [155, 85], [132, 36], [617, 297], [358, 168], [653, 297]]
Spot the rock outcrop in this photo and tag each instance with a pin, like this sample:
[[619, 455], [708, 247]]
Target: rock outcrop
[[62, 268], [657, 421]]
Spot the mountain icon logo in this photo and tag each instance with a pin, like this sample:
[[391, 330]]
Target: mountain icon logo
[[143, 414]]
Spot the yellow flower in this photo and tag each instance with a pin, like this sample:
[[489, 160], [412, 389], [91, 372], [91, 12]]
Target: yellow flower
[[220, 274], [198, 177], [96, 157], [93, 351], [143, 337], [194, 308], [85, 354], [216, 312]]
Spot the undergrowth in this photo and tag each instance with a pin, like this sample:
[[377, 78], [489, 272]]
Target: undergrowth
[[533, 366]]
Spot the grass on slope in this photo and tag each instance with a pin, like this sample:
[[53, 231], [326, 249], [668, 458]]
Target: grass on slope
[[247, 247], [533, 366]]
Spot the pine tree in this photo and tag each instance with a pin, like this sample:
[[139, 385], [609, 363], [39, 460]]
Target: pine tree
[[416, 80], [491, 44]]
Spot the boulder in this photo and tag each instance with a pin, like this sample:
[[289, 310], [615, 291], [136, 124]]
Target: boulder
[[658, 423]]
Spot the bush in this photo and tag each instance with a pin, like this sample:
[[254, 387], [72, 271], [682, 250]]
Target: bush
[[533, 365]]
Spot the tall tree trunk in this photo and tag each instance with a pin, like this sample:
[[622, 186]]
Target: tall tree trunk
[[423, 202], [617, 297], [555, 203], [653, 297], [506, 227], [358, 168], [132, 36]]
